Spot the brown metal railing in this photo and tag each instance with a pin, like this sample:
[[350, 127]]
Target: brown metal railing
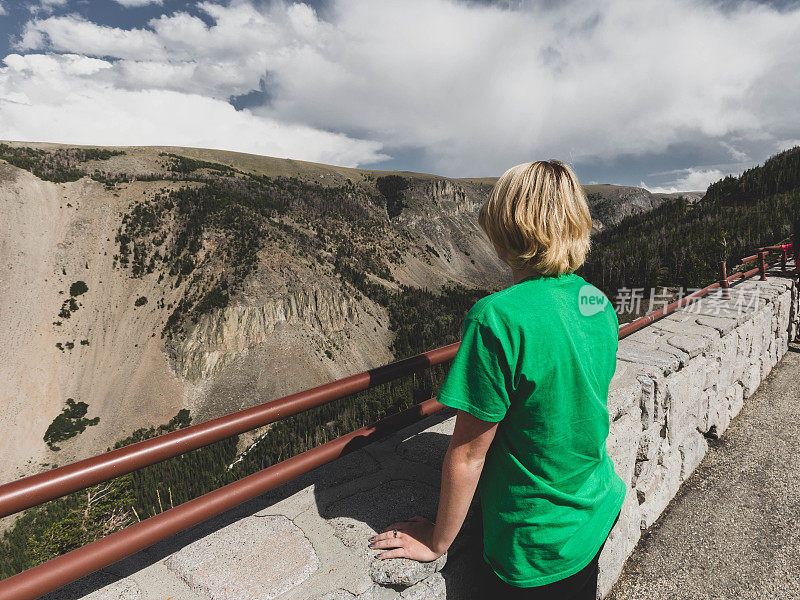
[[87, 559], [34, 490], [724, 282]]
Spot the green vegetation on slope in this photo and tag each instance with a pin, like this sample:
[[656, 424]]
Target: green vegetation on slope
[[679, 244], [208, 235], [780, 173], [60, 165], [56, 527], [70, 422], [78, 288]]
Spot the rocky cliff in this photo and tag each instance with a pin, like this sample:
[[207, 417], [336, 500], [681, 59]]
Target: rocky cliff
[[612, 203], [225, 334]]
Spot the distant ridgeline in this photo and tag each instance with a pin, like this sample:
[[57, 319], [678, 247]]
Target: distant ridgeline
[[681, 244]]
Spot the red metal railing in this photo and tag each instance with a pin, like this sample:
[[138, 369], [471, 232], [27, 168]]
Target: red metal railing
[[724, 282], [34, 490], [78, 563]]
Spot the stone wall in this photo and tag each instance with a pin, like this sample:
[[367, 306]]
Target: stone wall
[[678, 380]]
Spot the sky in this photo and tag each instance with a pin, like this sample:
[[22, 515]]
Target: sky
[[670, 95]]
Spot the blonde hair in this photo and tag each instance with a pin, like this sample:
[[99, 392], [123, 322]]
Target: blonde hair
[[537, 212]]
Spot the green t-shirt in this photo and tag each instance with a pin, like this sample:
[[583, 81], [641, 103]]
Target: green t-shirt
[[538, 357]]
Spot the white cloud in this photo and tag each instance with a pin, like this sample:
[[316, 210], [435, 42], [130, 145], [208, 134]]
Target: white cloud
[[137, 3], [74, 34], [477, 87], [2, 9], [65, 99], [46, 6], [782, 145], [692, 180]]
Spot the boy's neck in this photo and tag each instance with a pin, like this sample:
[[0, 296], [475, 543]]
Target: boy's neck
[[520, 275]]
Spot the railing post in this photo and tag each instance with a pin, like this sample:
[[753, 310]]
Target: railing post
[[762, 264], [796, 251], [795, 241], [724, 284], [783, 260]]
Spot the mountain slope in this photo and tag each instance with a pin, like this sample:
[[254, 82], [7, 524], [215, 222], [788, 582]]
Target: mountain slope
[[681, 242], [215, 281], [290, 316]]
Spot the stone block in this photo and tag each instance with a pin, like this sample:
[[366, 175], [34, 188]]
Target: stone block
[[620, 543], [692, 450], [735, 397], [774, 352], [647, 336], [712, 371], [745, 301], [650, 441], [667, 348], [693, 345], [624, 391], [647, 404], [727, 350], [684, 395], [751, 379], [430, 588], [403, 571], [745, 334], [655, 493], [715, 413], [684, 324], [716, 309], [643, 471], [623, 443], [722, 324], [757, 345], [255, 558], [645, 355]]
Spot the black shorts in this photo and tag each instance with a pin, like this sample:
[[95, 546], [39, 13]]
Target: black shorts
[[579, 586]]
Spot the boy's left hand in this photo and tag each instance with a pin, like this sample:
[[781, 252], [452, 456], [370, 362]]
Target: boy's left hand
[[414, 540]]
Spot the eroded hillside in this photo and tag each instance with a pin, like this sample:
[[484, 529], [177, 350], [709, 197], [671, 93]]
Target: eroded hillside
[[206, 286], [140, 281]]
